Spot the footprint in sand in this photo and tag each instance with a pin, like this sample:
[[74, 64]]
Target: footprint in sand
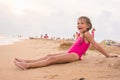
[[100, 61], [115, 65], [51, 76]]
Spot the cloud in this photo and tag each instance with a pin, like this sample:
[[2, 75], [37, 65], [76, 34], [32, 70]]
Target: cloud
[[107, 27], [58, 17]]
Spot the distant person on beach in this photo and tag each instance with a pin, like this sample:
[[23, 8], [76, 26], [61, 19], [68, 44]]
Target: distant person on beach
[[46, 36], [74, 53], [41, 36]]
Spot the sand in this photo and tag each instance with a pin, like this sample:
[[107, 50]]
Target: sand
[[93, 65]]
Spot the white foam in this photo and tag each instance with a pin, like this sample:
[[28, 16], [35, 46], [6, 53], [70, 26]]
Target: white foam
[[9, 40]]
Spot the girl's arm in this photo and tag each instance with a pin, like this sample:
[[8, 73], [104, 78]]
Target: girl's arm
[[96, 45]]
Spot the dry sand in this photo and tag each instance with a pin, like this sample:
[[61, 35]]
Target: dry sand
[[93, 65]]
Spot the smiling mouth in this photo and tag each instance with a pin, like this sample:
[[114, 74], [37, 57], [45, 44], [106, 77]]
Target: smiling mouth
[[79, 28]]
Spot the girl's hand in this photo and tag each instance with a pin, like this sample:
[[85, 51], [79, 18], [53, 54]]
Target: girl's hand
[[112, 56]]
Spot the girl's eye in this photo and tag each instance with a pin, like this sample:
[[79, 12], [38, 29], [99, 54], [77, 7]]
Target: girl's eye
[[77, 23]]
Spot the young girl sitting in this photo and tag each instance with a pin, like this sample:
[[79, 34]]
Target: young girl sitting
[[74, 53]]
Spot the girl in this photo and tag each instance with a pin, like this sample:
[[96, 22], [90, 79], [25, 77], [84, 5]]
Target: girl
[[73, 54]]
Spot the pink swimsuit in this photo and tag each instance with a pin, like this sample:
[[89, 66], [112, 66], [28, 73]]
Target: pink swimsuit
[[79, 47]]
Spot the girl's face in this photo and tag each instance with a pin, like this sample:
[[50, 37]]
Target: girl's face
[[82, 25]]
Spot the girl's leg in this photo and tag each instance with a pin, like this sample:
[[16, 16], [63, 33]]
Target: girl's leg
[[43, 58], [50, 60]]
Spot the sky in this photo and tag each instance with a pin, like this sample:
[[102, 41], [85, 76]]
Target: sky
[[59, 17]]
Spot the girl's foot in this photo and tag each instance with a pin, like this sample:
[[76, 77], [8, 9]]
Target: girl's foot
[[20, 60], [21, 65]]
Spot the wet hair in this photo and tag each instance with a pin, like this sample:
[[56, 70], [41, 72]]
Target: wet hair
[[87, 20]]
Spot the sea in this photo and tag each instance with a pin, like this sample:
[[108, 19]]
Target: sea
[[9, 40]]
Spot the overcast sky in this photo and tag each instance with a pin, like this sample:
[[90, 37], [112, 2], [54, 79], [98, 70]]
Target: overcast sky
[[59, 17]]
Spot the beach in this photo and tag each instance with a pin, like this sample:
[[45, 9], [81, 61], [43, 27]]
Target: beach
[[93, 66]]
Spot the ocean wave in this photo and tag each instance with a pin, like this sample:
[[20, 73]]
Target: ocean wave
[[9, 40]]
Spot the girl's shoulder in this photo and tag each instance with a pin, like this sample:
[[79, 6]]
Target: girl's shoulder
[[87, 34]]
